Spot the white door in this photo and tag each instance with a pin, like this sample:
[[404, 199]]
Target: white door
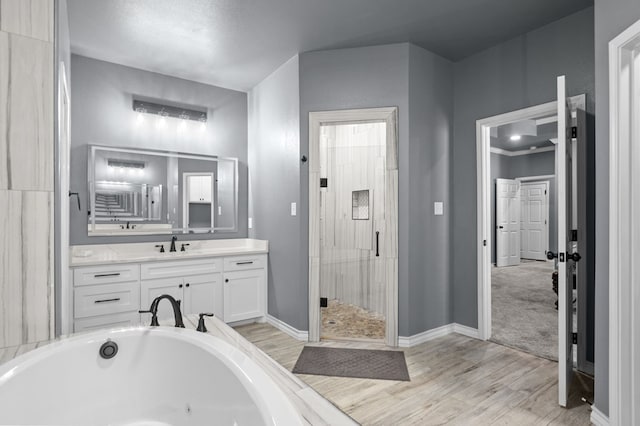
[[534, 213], [203, 294], [507, 222], [243, 295], [566, 265]]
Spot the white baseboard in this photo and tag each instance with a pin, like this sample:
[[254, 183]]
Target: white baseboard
[[474, 333], [425, 336], [598, 418], [286, 328]]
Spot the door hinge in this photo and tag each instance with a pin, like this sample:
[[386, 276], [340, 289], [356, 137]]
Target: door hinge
[[574, 235], [545, 192], [324, 302], [574, 132], [484, 243], [574, 337], [324, 182]]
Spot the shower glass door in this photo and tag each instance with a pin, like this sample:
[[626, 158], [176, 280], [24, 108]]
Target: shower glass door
[[352, 230]]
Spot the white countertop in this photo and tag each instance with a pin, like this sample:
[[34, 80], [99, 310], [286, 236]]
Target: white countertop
[[104, 254], [314, 409]]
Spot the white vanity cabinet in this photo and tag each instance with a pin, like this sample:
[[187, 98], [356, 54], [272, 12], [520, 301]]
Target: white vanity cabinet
[[244, 287], [106, 296], [196, 283], [233, 288]]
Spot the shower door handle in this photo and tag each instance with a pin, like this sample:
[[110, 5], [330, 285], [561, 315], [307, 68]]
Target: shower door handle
[[377, 243]]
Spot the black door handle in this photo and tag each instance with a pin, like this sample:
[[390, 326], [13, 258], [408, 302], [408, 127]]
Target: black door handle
[[377, 243], [500, 227], [575, 257], [551, 255]]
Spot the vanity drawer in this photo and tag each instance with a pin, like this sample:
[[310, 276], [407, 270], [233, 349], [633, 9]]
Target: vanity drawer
[[106, 299], [128, 319], [180, 268], [106, 274], [242, 263]]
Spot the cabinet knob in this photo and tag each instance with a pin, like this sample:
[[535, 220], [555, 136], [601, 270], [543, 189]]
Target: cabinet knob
[[187, 285], [179, 285], [226, 280]]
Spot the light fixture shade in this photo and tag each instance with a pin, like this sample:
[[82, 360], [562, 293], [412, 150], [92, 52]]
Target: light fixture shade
[[519, 128], [191, 113]]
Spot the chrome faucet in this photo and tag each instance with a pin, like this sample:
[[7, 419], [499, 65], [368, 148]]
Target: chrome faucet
[[153, 310], [173, 244]]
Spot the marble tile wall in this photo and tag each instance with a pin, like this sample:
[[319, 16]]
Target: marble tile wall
[[26, 171]]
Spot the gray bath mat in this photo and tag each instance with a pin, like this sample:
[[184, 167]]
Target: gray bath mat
[[360, 363]]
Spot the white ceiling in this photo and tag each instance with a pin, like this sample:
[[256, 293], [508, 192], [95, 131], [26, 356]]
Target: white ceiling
[[237, 43]]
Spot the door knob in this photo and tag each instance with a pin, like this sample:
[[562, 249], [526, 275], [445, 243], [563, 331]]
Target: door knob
[[575, 257], [500, 227], [551, 255]]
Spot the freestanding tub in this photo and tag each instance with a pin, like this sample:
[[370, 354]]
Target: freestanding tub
[[159, 376]]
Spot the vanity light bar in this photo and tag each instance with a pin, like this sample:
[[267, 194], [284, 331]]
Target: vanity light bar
[[169, 111], [111, 162]]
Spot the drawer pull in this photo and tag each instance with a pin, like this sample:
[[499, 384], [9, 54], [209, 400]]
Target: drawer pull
[[113, 274], [244, 263], [116, 299]]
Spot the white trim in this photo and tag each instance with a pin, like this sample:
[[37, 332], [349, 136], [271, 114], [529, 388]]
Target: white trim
[[624, 241], [535, 178], [287, 329], [546, 120], [388, 115], [598, 418], [466, 331], [501, 151], [483, 191], [425, 336]]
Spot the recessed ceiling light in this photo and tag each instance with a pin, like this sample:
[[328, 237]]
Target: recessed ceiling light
[[515, 138]]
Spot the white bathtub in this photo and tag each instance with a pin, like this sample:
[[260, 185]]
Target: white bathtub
[[160, 376]]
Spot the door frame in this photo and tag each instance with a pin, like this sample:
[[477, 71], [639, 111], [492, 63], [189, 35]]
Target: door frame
[[483, 190], [532, 180], [624, 240], [388, 115]]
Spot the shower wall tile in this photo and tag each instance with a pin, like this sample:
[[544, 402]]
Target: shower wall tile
[[26, 267], [4, 118], [28, 132], [29, 18]]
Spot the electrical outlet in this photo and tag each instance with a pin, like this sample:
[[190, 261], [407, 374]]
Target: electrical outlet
[[293, 209], [438, 208]]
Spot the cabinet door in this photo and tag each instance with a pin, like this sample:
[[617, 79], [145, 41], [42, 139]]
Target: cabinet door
[[194, 185], [243, 295], [203, 293], [206, 188], [150, 289]]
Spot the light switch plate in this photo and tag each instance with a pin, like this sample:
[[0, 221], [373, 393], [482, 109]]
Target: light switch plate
[[293, 209], [250, 222], [438, 208]]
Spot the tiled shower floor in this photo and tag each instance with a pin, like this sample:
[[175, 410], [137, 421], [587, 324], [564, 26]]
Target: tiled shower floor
[[345, 321]]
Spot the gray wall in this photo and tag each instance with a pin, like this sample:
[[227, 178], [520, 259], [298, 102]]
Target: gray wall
[[101, 97], [513, 75], [611, 18], [405, 76], [425, 180], [538, 164], [274, 165]]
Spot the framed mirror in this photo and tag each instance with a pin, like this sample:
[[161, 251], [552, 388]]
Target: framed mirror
[[146, 192]]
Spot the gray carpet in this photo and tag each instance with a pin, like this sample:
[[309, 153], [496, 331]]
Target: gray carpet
[[522, 308], [359, 363]]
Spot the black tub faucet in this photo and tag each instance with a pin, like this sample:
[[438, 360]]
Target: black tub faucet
[[173, 244], [153, 310]]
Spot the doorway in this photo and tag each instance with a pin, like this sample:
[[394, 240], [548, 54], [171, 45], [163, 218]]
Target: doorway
[[353, 230], [569, 118], [523, 304]]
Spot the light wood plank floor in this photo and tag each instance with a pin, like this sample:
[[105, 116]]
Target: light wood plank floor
[[454, 380]]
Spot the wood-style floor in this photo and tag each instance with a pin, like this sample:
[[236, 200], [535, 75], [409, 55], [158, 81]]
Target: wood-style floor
[[454, 380]]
